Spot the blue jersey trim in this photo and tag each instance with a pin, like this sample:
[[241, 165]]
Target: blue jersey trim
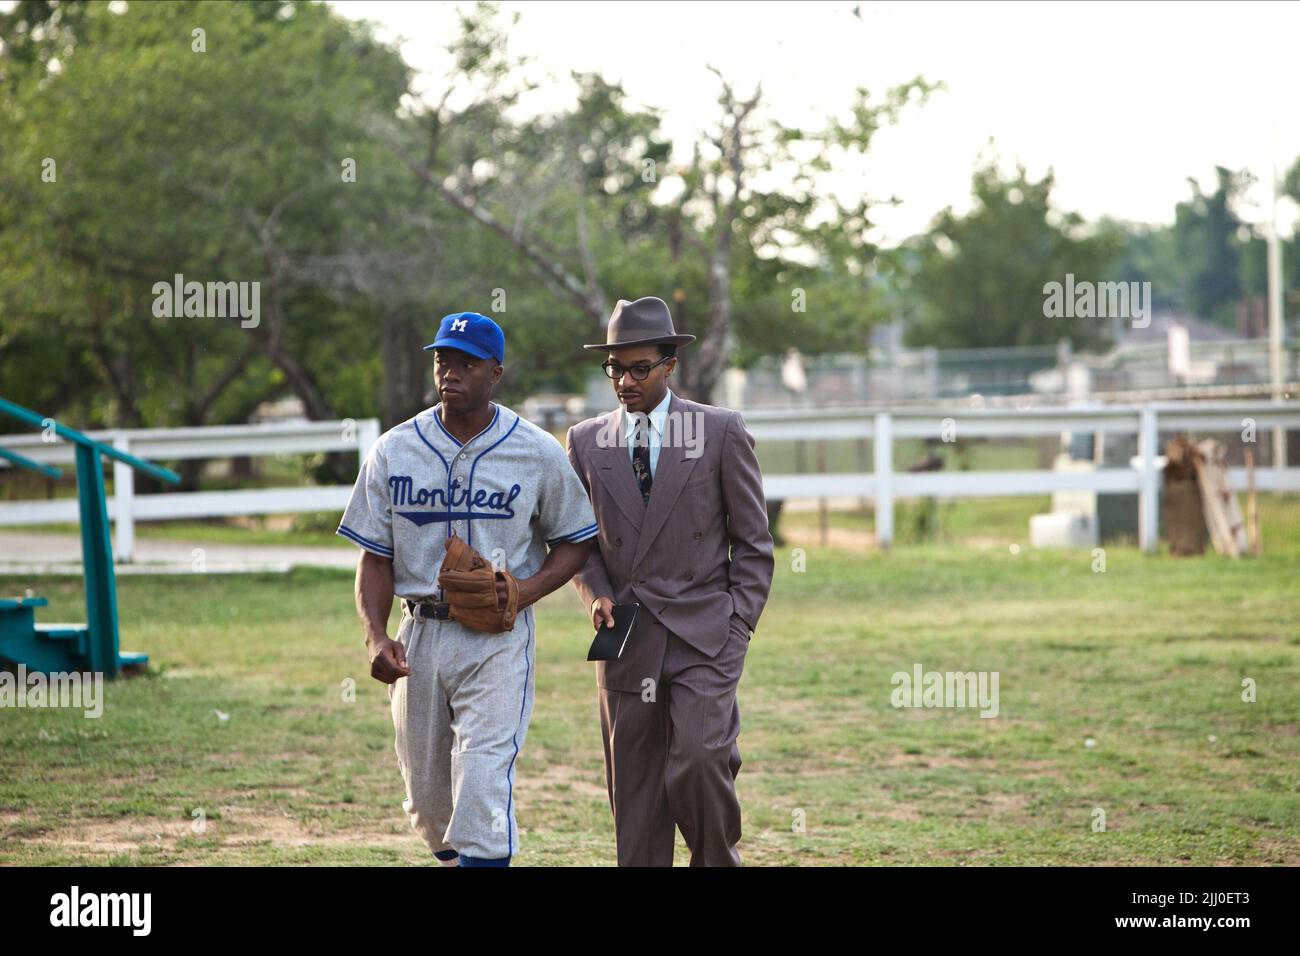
[[382, 550], [582, 534], [470, 540], [421, 518], [510, 771], [443, 428], [416, 426], [459, 444]]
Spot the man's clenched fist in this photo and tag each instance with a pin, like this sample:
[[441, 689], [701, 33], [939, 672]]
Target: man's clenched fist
[[602, 613], [388, 661]]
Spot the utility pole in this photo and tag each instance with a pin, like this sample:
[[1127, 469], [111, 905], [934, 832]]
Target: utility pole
[[1275, 309]]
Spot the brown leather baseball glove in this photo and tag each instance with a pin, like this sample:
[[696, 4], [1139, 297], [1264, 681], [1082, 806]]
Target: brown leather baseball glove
[[469, 585]]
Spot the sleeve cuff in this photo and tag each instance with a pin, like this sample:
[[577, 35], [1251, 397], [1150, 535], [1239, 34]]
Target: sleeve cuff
[[582, 534], [372, 546]]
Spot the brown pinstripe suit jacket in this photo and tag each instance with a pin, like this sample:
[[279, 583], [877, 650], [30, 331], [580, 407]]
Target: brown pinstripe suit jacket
[[698, 557]]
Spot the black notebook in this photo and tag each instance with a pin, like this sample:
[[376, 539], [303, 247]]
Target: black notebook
[[610, 641]]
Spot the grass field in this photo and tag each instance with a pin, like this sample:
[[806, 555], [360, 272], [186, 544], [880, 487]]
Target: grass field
[[1146, 659]]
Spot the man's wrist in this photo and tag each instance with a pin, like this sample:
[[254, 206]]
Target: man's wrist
[[530, 592]]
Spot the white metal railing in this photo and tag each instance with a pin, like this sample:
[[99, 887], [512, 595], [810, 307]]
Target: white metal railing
[[884, 484], [168, 444]]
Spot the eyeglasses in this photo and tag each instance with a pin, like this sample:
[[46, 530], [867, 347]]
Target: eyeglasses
[[639, 372]]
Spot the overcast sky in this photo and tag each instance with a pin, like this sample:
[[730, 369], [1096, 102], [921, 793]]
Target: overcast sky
[[1124, 100]]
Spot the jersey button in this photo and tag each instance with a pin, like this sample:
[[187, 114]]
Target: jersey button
[[463, 456]]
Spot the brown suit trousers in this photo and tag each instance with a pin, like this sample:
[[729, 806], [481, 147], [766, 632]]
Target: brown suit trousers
[[671, 753], [698, 559]]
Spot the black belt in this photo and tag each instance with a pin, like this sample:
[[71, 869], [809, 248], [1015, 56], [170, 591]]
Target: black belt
[[429, 611]]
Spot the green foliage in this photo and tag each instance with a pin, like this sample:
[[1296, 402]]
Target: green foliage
[[1206, 240], [980, 276], [219, 165], [1150, 254], [1208, 259], [226, 165]]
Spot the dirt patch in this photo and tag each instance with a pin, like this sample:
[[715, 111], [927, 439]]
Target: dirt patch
[[235, 827], [560, 780], [844, 538], [899, 813], [1021, 768], [1284, 852], [1000, 804], [247, 827], [925, 761], [115, 836]]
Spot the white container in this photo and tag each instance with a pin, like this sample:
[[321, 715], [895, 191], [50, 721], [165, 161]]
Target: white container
[[1062, 530]]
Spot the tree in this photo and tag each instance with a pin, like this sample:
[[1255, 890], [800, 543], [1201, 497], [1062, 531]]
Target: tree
[[1206, 229], [220, 164], [980, 276], [596, 205], [1208, 259], [281, 148]]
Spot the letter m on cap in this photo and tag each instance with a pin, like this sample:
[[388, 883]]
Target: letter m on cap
[[458, 325]]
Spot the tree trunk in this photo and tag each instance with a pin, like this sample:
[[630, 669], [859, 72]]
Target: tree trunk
[[710, 359], [405, 368]]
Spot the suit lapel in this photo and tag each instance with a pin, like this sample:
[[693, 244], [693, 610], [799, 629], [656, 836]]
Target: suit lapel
[[614, 466], [673, 470]]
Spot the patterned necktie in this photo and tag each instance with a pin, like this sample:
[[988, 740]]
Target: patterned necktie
[[641, 468]]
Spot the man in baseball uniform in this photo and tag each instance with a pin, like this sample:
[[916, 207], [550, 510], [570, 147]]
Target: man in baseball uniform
[[461, 698], [678, 494]]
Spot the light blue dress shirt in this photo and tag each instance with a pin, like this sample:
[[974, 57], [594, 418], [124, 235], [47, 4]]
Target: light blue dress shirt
[[658, 416]]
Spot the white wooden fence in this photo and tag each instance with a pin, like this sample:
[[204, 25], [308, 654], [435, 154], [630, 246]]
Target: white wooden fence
[[125, 507], [882, 484]]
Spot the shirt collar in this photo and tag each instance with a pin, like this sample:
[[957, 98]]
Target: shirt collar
[[658, 415], [490, 427]]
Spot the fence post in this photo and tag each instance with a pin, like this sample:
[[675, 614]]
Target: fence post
[[123, 495], [367, 435], [1148, 488], [883, 442], [823, 518]]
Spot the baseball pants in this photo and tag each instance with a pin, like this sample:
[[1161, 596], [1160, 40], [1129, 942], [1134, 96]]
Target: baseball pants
[[460, 720]]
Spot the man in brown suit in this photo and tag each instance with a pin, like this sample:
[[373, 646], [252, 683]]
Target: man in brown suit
[[678, 497]]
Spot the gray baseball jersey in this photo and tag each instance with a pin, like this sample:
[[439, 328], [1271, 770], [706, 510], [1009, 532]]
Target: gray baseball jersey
[[509, 492], [462, 715]]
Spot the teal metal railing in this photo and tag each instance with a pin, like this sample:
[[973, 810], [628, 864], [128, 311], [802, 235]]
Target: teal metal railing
[[21, 640]]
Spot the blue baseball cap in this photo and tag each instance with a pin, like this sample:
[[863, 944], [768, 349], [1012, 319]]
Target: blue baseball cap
[[472, 333]]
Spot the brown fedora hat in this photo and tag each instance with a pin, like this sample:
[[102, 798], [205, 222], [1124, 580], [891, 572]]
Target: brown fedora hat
[[643, 322]]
